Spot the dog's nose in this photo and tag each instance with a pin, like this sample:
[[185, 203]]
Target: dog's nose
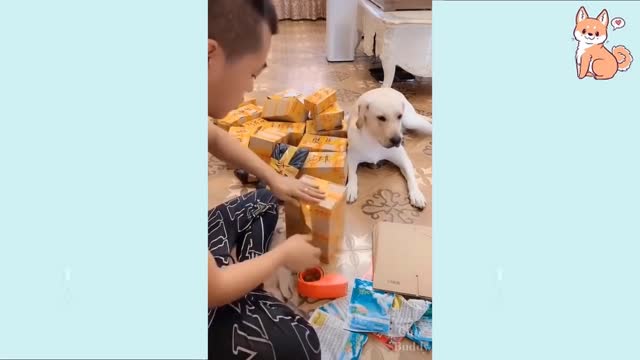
[[395, 141], [590, 34]]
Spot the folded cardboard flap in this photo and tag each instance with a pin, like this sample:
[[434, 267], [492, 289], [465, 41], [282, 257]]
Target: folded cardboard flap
[[402, 259], [320, 101]]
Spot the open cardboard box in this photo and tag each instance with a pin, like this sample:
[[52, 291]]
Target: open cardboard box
[[402, 259]]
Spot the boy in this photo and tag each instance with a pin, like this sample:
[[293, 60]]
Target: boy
[[245, 321]]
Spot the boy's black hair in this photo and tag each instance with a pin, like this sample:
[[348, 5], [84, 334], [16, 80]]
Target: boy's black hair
[[235, 24]]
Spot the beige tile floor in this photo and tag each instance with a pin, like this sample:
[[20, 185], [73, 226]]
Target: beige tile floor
[[297, 61]]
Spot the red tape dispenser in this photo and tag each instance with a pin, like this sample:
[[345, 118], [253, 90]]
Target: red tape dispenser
[[313, 283]]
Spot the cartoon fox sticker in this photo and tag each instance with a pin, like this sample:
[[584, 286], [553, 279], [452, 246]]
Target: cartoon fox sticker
[[592, 57]]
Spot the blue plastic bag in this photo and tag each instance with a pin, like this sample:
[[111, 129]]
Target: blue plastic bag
[[338, 308], [369, 309]]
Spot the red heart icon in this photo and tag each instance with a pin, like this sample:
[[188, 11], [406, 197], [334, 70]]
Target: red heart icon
[[618, 22]]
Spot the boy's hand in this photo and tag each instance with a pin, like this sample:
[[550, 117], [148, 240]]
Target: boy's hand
[[298, 254], [288, 189]]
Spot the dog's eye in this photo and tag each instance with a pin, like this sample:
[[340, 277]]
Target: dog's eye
[[382, 118], [584, 31], [399, 116], [597, 33]]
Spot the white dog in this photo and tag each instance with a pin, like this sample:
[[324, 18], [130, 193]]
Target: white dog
[[377, 134]]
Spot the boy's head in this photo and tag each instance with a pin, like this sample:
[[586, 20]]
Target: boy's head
[[239, 41]]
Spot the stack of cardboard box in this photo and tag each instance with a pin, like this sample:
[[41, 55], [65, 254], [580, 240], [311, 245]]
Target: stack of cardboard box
[[288, 129]]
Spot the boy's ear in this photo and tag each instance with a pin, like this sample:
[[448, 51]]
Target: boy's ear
[[362, 116], [604, 17], [582, 14]]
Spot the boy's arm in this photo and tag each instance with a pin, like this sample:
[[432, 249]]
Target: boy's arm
[[226, 148], [232, 282]]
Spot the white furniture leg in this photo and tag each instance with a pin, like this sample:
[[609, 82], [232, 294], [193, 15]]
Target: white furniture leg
[[389, 68]]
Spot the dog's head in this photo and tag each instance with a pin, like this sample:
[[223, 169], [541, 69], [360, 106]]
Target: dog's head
[[589, 30], [381, 117]]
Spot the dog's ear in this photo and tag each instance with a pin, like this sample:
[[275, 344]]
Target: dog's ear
[[581, 15], [604, 17], [362, 116]]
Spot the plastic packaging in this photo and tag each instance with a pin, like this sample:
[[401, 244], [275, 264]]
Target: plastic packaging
[[422, 331], [404, 313], [369, 309], [338, 308], [336, 343]]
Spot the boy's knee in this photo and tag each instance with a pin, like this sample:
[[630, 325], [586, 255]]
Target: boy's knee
[[266, 196]]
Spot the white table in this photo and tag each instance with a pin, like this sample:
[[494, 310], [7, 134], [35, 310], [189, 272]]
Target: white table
[[402, 38]]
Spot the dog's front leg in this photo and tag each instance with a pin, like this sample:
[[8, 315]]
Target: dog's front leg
[[401, 159], [352, 181]]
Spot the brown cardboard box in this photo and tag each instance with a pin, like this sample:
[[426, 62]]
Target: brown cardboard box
[[247, 102], [394, 5], [402, 267], [238, 131], [320, 101], [324, 220], [339, 132], [295, 130], [288, 160], [263, 142], [255, 125], [331, 166], [330, 119], [289, 109], [285, 94], [239, 116], [317, 143]]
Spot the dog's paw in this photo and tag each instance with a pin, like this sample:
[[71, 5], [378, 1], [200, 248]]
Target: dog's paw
[[417, 199], [352, 193]]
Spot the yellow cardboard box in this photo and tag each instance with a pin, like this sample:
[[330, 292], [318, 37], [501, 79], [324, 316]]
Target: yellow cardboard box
[[239, 116], [263, 142], [285, 94], [287, 160], [320, 101], [255, 125], [289, 109], [339, 132], [329, 119], [240, 133], [330, 166], [247, 102], [325, 220], [323, 143], [295, 130]]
